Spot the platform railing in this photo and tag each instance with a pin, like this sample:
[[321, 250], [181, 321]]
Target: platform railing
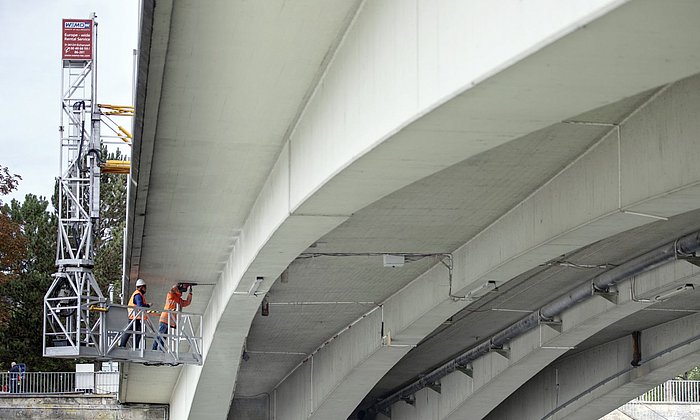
[[116, 332], [180, 343], [49, 383]]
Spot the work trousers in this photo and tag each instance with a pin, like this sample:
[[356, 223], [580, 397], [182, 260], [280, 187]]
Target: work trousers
[[138, 337], [163, 329]]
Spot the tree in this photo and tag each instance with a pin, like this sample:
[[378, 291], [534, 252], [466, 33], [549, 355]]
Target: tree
[[110, 228], [13, 247], [13, 244], [8, 181], [23, 293], [28, 232], [693, 374]]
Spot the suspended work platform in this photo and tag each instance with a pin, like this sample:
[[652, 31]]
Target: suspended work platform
[[75, 327]]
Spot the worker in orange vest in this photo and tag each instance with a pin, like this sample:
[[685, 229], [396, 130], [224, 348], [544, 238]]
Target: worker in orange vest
[[137, 299], [173, 302]]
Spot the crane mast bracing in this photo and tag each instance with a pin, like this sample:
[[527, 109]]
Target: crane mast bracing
[[79, 321]]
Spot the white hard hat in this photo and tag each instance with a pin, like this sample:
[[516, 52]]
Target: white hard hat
[[140, 283]]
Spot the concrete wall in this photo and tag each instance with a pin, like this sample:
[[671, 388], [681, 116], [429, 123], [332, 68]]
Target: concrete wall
[[78, 408]]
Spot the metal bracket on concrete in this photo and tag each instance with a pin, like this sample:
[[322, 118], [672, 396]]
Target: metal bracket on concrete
[[436, 386], [502, 350], [609, 294], [553, 323], [410, 399], [467, 369], [386, 412]]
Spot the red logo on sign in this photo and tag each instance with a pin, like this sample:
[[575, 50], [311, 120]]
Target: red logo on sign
[[77, 39]]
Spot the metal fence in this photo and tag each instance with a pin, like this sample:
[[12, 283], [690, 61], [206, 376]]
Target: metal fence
[[675, 391], [59, 382]]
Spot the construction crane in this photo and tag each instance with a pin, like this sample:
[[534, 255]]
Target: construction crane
[[79, 321]]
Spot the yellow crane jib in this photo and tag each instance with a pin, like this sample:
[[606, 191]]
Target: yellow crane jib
[[116, 167], [126, 133], [117, 110]]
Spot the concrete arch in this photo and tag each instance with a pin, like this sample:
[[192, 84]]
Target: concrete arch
[[558, 218], [496, 376], [571, 389]]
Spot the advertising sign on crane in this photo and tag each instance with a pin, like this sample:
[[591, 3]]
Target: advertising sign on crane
[[77, 39]]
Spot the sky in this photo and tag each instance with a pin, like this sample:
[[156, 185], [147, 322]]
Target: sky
[[30, 79]]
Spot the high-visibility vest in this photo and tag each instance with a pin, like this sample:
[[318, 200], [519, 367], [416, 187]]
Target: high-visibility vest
[[132, 313], [172, 299]]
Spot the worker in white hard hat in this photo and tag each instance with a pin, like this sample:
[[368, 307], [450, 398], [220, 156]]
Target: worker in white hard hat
[[137, 299]]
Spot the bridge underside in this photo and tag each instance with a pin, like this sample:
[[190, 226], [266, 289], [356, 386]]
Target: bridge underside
[[559, 146]]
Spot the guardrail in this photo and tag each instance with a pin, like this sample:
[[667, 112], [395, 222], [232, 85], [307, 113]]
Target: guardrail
[[45, 383], [675, 391]]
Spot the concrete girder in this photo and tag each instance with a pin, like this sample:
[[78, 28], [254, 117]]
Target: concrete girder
[[600, 194], [299, 201], [594, 382], [219, 85], [155, 34], [152, 57], [494, 377]]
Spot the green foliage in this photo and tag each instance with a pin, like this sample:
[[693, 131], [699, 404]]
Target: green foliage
[[110, 229], [23, 294], [28, 232], [13, 243], [693, 374]]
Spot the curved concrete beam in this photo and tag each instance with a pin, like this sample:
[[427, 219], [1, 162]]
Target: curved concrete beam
[[496, 376], [154, 38], [592, 383], [314, 184], [600, 194]]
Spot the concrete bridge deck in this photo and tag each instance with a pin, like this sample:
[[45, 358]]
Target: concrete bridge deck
[[540, 144]]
